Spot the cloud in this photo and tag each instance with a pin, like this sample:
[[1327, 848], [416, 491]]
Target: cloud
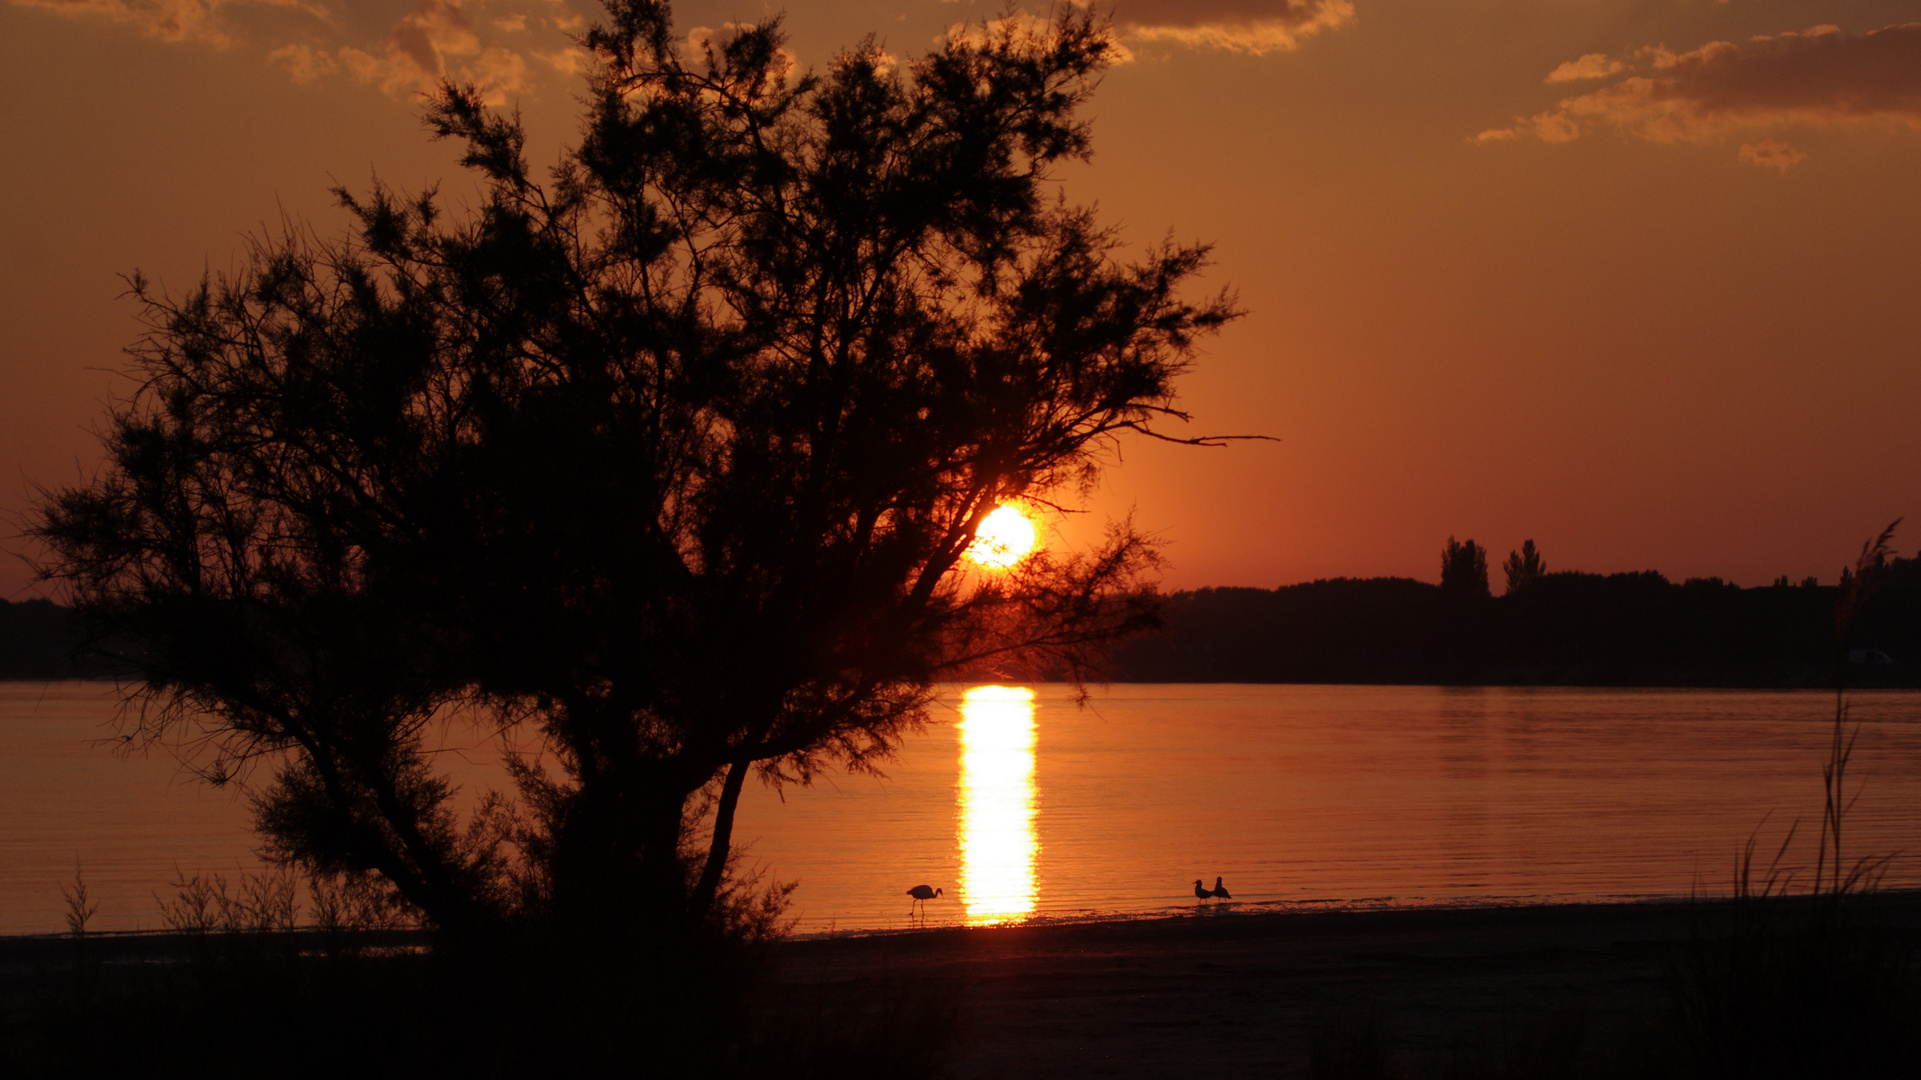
[[569, 61], [1246, 26], [208, 22], [1817, 78], [1018, 23], [1772, 154], [1591, 66], [303, 63], [438, 40], [430, 39]]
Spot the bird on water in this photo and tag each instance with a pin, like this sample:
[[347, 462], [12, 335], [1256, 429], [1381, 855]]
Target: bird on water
[[922, 894], [1218, 892]]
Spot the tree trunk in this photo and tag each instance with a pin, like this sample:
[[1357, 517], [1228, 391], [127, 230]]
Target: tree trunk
[[703, 899]]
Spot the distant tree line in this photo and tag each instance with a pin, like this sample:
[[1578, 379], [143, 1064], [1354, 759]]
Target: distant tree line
[[40, 639], [1549, 628], [1567, 628]]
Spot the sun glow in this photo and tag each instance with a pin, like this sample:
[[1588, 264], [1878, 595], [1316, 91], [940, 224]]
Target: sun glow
[[998, 843], [1005, 537]]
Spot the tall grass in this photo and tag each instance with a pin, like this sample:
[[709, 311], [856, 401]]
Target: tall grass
[[1815, 984]]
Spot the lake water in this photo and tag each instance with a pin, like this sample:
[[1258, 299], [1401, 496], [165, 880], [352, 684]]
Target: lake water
[[1017, 804]]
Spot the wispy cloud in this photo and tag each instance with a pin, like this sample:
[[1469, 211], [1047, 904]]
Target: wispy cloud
[[206, 22], [303, 63], [1772, 154], [401, 48], [438, 40], [1591, 66], [1822, 77], [1245, 26]]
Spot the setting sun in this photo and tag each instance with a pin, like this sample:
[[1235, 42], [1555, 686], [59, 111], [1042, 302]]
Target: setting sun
[[1005, 538]]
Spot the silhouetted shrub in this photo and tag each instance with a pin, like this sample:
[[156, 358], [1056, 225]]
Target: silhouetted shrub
[[668, 463]]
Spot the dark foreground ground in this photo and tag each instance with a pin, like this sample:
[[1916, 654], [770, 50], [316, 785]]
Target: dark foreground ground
[[1578, 990], [1230, 994]]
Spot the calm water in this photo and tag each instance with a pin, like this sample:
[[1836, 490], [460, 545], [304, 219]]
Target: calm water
[[1018, 804]]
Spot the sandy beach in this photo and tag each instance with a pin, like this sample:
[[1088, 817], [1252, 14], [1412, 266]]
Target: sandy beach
[[1228, 993]]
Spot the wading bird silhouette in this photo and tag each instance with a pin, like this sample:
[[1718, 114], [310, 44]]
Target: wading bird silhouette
[[1202, 892], [1220, 891], [922, 894]]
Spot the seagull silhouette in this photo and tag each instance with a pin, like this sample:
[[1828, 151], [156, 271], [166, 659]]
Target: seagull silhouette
[[1220, 891], [922, 894], [1201, 891]]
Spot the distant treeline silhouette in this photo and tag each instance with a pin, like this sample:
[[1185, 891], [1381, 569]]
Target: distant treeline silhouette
[[1562, 628], [1551, 628], [40, 639]]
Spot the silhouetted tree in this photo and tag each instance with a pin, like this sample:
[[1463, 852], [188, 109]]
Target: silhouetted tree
[[1464, 570], [1523, 567], [672, 458]]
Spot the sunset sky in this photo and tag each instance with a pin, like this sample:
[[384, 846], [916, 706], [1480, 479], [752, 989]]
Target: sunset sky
[[1637, 279]]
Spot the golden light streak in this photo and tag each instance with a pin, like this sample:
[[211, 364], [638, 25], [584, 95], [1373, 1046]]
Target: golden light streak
[[1005, 537], [998, 843]]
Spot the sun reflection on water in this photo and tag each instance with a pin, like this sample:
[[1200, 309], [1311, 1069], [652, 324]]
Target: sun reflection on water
[[997, 840]]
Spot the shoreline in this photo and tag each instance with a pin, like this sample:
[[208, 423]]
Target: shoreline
[[1237, 909], [1231, 989], [1250, 909], [1239, 991], [1263, 909]]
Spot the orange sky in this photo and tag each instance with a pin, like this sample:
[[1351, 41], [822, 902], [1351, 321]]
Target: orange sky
[[1638, 279]]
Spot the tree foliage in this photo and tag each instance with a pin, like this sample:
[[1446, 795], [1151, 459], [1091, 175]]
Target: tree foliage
[[1524, 567], [671, 458], [1464, 570]]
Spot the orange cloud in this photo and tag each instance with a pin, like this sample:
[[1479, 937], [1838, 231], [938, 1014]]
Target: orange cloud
[[569, 61], [1772, 154], [1591, 66], [208, 22], [1018, 23], [1247, 26], [1822, 77], [303, 63], [437, 39]]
